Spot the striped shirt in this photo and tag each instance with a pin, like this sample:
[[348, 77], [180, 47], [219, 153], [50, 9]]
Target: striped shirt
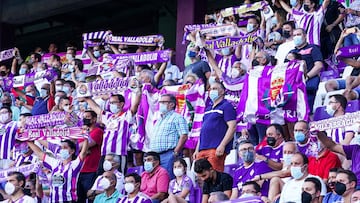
[[119, 182], [225, 63], [168, 130], [7, 139], [20, 158], [116, 133], [247, 48], [176, 188], [63, 178], [139, 198], [338, 134], [23, 199], [311, 23]]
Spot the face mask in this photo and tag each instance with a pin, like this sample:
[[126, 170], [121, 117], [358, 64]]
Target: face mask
[[274, 21], [255, 63], [66, 108], [192, 54], [84, 105], [107, 166], [163, 108], [4, 118], [9, 188], [148, 166], [104, 183], [87, 122], [2, 73], [129, 187], [293, 3], [43, 93], [320, 146], [286, 34], [235, 73], [114, 108], [212, 80], [298, 40], [57, 100], [64, 154], [71, 68], [25, 150], [299, 136], [271, 141], [178, 172], [248, 157], [59, 88], [296, 172], [287, 159], [306, 8], [225, 51], [306, 197], [330, 110], [214, 95], [22, 71], [31, 61], [245, 195], [69, 57], [250, 27], [340, 188], [97, 54]]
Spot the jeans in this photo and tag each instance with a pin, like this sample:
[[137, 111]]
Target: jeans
[[85, 181], [311, 88], [257, 133], [351, 39], [166, 161]]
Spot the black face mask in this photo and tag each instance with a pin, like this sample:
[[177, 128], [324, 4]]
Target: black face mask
[[340, 188], [2, 73], [286, 34], [6, 104], [255, 63], [271, 141], [27, 192], [306, 197], [306, 8], [87, 122]]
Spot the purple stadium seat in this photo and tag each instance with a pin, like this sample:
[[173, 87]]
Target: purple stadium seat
[[352, 106], [198, 194], [320, 113], [136, 169]]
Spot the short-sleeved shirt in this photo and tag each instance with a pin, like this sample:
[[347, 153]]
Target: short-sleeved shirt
[[176, 188], [172, 72], [225, 63], [321, 166], [244, 174], [310, 53], [154, 182], [63, 178], [353, 153], [116, 133], [283, 51], [338, 134], [168, 130], [103, 198], [91, 161], [306, 148], [214, 125], [274, 154], [7, 139], [199, 68], [332, 197], [42, 106], [139, 198], [224, 182], [20, 158]]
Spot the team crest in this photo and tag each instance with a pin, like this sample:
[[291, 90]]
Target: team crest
[[278, 94]]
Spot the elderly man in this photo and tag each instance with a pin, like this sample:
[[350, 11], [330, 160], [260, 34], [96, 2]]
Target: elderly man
[[170, 133], [218, 128], [111, 194]]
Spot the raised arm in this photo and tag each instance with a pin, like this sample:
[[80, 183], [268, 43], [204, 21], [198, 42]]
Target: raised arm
[[330, 144], [286, 7], [213, 63], [136, 96], [39, 153], [94, 106], [160, 73], [325, 4]]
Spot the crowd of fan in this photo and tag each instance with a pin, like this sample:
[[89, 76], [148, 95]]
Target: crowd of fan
[[274, 166]]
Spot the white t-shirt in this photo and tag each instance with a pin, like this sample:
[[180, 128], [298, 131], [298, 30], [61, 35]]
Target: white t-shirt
[[283, 51]]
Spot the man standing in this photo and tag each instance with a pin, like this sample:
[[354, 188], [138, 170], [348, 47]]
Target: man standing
[[218, 128], [170, 133], [8, 129], [288, 45]]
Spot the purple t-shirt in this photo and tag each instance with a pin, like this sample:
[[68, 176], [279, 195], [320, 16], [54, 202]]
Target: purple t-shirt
[[353, 153], [175, 188], [244, 174], [274, 154]]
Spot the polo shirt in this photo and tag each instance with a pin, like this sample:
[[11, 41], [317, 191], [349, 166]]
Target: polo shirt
[[102, 198], [154, 182]]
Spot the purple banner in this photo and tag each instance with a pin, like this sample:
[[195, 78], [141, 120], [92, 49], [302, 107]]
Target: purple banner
[[51, 119], [116, 65], [149, 40], [145, 57], [225, 42], [7, 54], [349, 51], [52, 133], [101, 87], [26, 170]]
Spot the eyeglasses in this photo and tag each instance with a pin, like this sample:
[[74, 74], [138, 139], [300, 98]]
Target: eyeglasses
[[247, 149], [333, 102]]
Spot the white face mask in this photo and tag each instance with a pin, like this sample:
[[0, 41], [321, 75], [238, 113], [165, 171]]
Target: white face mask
[[104, 183], [235, 73], [9, 188], [178, 172], [4, 118], [247, 195], [66, 108], [129, 187], [107, 166]]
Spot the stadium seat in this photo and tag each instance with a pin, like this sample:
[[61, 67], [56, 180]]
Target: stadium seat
[[136, 169], [352, 106], [320, 113]]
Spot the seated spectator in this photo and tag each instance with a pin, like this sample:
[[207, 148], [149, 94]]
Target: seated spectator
[[249, 169], [14, 188], [132, 188], [345, 185], [7, 101], [311, 190], [44, 103], [355, 197], [181, 186], [217, 197], [331, 196], [214, 181], [155, 179], [251, 192], [111, 194], [77, 74], [303, 140]]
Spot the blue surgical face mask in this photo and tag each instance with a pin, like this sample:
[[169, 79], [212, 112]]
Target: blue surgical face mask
[[163, 108], [299, 136], [43, 93], [22, 71], [148, 166], [296, 172], [225, 51], [114, 108], [248, 156], [287, 159], [214, 95], [66, 89], [298, 40], [64, 154], [97, 54], [274, 21], [250, 27], [192, 54], [293, 3]]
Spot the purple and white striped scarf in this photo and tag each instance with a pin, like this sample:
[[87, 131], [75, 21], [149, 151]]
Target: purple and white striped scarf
[[120, 65], [349, 51], [52, 134], [52, 119], [336, 122], [145, 57], [89, 37], [26, 170], [149, 40], [279, 97], [243, 9], [6, 54]]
